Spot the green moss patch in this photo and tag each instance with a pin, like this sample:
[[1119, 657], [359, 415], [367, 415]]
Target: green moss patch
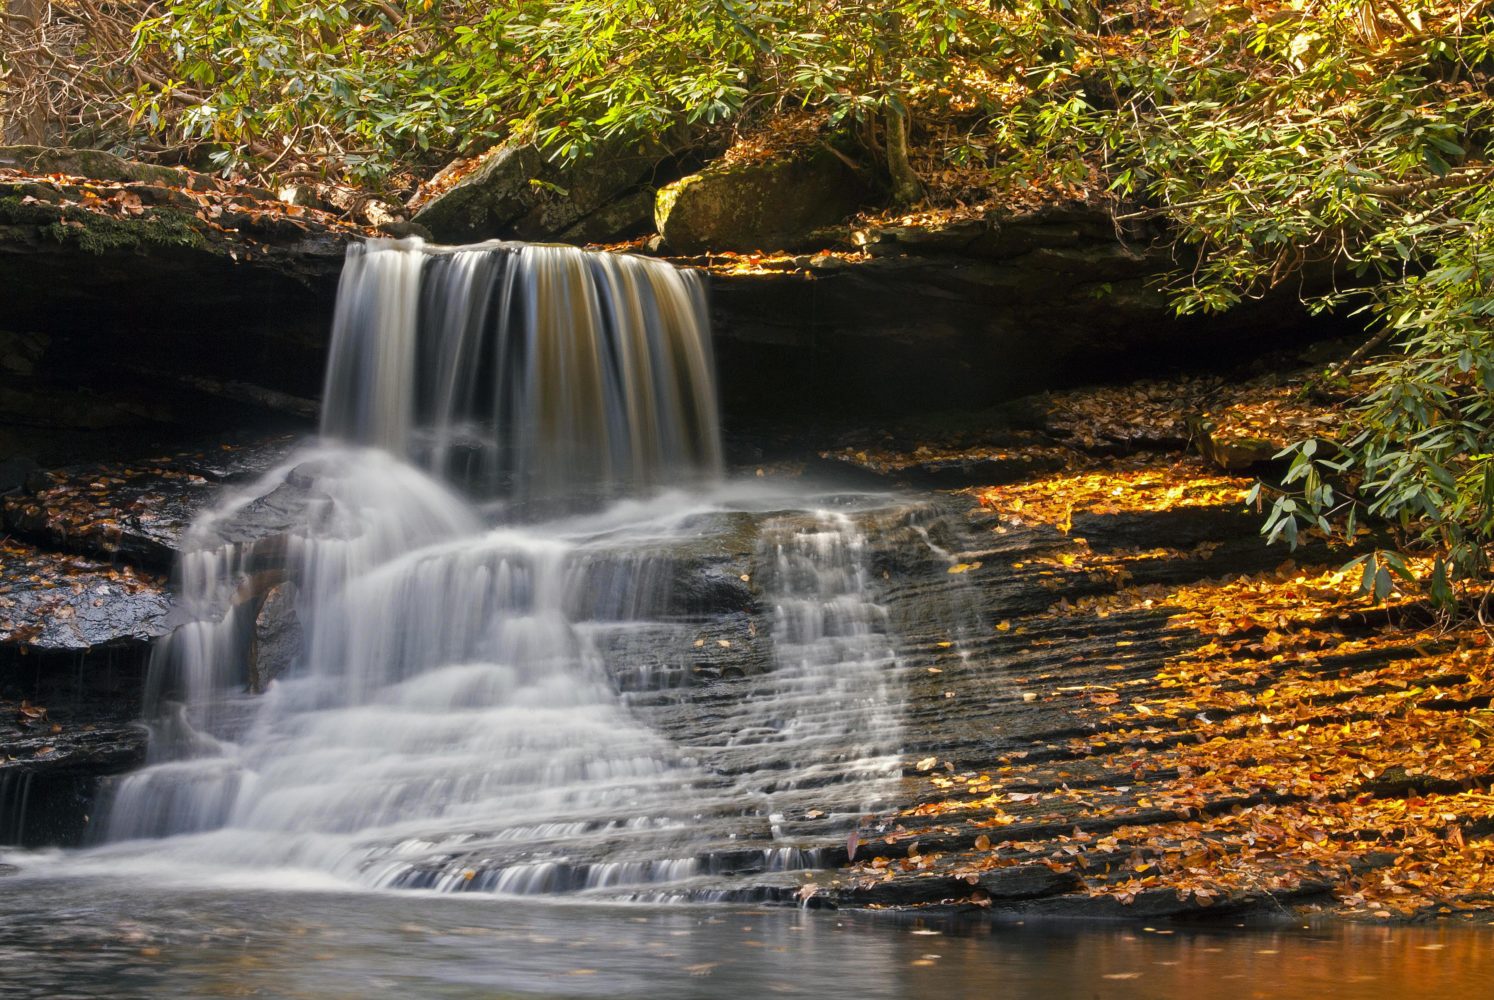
[[98, 233]]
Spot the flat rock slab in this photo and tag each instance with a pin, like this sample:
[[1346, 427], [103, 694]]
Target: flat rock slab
[[1001, 885], [52, 603], [64, 742], [136, 513], [974, 467]]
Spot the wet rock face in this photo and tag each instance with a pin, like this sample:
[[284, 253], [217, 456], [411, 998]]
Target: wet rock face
[[135, 515], [159, 314], [72, 604], [55, 748], [132, 512], [277, 637], [83, 597], [75, 635], [145, 281], [772, 205]]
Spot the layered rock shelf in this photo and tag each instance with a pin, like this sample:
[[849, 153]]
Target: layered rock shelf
[[1137, 711]]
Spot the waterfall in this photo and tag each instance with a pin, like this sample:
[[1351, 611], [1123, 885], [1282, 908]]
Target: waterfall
[[463, 707], [539, 368]]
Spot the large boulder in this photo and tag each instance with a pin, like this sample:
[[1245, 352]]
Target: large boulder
[[486, 201], [765, 205], [515, 192]]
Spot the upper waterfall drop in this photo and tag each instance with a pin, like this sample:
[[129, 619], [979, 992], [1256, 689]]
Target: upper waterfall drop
[[530, 370]]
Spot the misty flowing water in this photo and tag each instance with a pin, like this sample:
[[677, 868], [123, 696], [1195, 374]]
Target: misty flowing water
[[514, 563], [507, 628]]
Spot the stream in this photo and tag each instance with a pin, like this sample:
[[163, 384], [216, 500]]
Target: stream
[[507, 638], [64, 938]]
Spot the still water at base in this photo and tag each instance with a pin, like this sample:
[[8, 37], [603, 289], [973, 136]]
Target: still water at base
[[62, 938]]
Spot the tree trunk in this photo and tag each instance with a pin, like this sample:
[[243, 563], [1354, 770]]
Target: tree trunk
[[906, 186], [23, 113]]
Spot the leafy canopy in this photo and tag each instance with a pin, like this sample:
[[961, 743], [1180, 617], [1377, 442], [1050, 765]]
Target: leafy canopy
[[1324, 142], [368, 86]]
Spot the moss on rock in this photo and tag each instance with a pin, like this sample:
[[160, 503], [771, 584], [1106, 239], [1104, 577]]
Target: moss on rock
[[98, 233], [97, 164], [769, 205]]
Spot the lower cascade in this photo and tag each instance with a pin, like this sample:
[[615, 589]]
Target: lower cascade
[[412, 657]]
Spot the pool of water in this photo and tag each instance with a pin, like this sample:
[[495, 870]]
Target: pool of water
[[121, 938]]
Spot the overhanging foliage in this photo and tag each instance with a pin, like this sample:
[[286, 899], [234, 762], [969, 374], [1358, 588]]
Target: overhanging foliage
[[1345, 138]]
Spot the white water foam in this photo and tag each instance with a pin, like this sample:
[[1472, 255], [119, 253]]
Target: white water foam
[[453, 718]]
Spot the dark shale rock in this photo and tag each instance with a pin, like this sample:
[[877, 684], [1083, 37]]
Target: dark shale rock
[[1025, 882], [237, 461], [770, 205], [1000, 885], [138, 515], [75, 638], [264, 522], [49, 782], [277, 636], [935, 473], [158, 288], [15, 473], [1168, 904], [971, 315], [135, 512], [707, 575], [116, 327], [70, 604]]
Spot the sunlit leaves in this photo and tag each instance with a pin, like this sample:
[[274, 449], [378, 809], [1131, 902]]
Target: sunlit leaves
[[367, 91]]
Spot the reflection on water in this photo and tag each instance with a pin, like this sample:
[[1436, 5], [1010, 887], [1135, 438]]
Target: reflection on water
[[75, 938]]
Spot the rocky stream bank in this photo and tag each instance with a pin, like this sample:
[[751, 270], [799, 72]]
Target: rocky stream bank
[[1155, 715]]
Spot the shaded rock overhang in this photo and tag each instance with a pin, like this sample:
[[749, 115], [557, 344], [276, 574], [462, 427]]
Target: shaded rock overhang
[[922, 318]]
